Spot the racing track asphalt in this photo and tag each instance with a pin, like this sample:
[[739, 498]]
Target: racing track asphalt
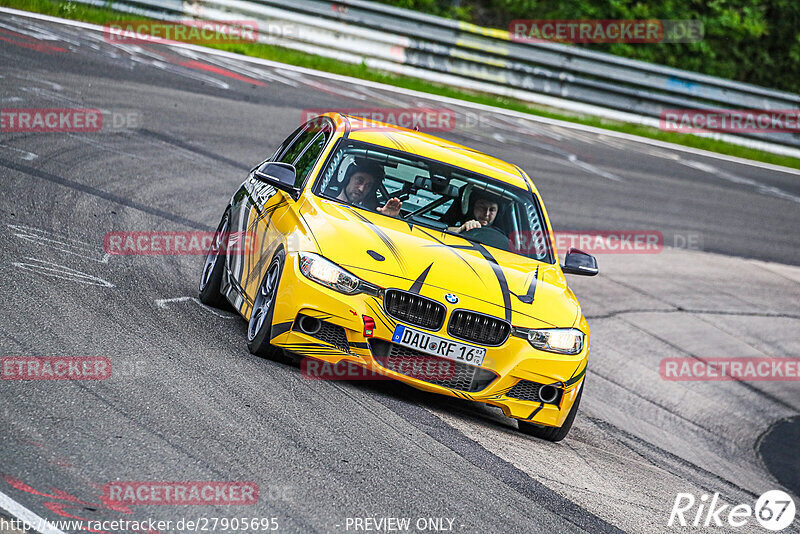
[[188, 402]]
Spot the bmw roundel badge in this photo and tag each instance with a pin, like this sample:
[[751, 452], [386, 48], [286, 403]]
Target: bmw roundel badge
[[452, 299]]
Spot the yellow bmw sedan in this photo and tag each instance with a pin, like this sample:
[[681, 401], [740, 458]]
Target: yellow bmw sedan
[[409, 256]]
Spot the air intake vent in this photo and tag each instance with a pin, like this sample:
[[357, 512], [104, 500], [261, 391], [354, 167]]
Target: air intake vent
[[533, 391], [414, 309], [329, 333], [433, 369], [478, 328]]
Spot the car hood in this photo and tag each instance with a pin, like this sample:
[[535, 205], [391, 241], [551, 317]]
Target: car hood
[[393, 253]]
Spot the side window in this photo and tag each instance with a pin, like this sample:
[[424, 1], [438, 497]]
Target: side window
[[294, 145], [297, 146], [285, 144], [306, 161]]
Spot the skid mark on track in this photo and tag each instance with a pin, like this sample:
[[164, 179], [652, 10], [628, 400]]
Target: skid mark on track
[[163, 303], [679, 309], [52, 96], [54, 86], [758, 187], [665, 460], [55, 270], [521, 126], [102, 146], [743, 383], [174, 141], [44, 175], [23, 154], [562, 156], [64, 244]]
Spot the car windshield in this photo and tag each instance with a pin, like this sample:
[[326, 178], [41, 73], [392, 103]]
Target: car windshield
[[436, 195]]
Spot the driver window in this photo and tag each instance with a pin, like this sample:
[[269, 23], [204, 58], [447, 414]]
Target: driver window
[[285, 144], [296, 143], [297, 146], [307, 159]]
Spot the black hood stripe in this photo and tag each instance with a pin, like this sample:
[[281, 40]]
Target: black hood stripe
[[498, 272], [416, 287], [527, 298], [459, 256], [385, 238]]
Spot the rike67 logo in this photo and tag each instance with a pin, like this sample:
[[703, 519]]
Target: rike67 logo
[[774, 510]]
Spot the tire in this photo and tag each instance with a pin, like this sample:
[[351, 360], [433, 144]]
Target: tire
[[214, 267], [260, 326], [552, 433]]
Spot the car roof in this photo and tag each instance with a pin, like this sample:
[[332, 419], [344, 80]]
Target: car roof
[[436, 148]]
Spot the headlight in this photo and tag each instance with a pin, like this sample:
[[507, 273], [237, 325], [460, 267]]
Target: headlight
[[561, 340], [330, 275]]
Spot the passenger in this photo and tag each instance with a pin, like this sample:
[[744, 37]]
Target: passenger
[[484, 211]]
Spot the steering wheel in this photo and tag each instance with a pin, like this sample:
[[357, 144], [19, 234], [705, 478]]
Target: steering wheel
[[488, 235]]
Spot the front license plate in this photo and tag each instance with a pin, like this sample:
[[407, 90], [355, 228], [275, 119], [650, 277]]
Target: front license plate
[[438, 346]]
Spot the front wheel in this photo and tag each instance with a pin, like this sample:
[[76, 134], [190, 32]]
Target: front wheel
[[260, 325], [211, 279], [552, 433]]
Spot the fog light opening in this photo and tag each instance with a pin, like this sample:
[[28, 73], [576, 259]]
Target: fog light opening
[[309, 325], [548, 393]]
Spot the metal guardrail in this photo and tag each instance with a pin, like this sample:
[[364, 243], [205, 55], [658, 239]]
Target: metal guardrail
[[471, 57]]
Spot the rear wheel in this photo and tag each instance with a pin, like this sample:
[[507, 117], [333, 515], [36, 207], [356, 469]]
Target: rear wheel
[[211, 279], [260, 326], [552, 433]]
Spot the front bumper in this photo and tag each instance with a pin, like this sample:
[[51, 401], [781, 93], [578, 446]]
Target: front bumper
[[512, 362]]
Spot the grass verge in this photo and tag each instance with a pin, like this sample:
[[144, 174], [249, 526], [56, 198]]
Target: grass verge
[[102, 15]]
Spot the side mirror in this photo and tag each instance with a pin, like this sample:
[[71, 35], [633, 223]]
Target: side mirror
[[280, 175], [578, 262]]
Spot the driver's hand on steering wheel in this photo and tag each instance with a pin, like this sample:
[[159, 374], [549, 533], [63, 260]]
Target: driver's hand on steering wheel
[[392, 207], [469, 225]]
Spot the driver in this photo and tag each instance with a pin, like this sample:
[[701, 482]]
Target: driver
[[361, 183], [484, 211]]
